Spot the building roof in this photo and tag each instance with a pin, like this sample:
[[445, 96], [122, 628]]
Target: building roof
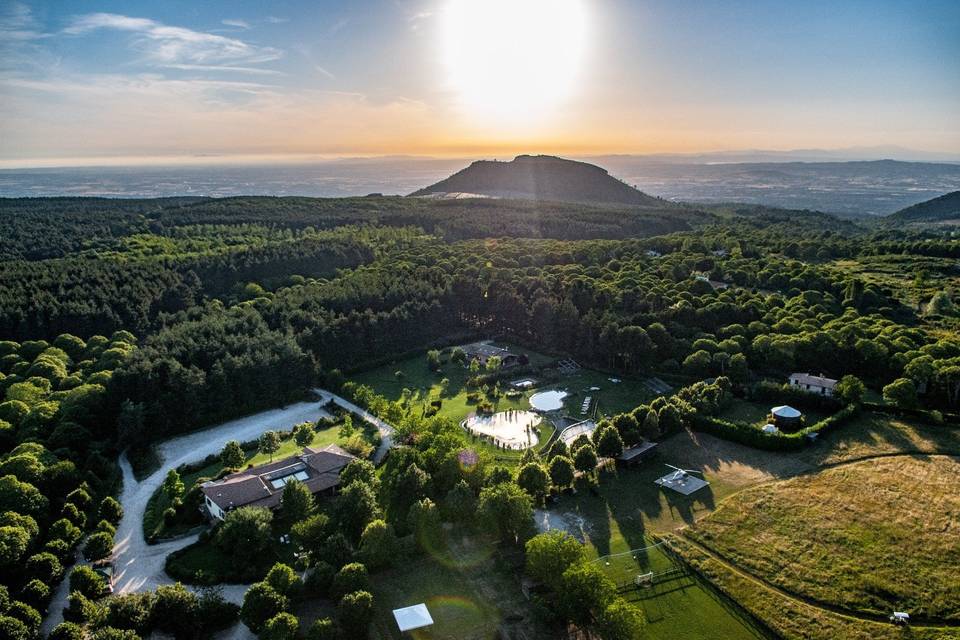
[[785, 411], [409, 618], [262, 486], [639, 450], [486, 350], [817, 381]]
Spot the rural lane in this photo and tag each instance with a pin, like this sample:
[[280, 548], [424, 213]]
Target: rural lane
[[140, 566]]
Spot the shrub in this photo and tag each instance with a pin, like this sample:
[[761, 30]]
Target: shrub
[[36, 594], [214, 612], [110, 510], [356, 612], [323, 629], [67, 631], [282, 626], [88, 582], [98, 546], [352, 577], [378, 544], [320, 579], [130, 611], [261, 603], [175, 610], [46, 567]]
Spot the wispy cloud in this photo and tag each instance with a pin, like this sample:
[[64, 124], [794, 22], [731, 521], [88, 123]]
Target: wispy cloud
[[277, 20], [18, 24], [169, 46], [324, 72], [233, 22]]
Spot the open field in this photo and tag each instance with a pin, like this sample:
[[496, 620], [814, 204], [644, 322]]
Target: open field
[[871, 536], [790, 618], [630, 505], [900, 273], [874, 434], [678, 603], [470, 593]]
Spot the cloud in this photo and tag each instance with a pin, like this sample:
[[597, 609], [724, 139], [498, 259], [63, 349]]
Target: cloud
[[324, 72], [239, 24], [170, 46], [18, 24], [277, 20]]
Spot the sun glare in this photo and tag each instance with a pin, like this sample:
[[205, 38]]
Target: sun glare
[[513, 61]]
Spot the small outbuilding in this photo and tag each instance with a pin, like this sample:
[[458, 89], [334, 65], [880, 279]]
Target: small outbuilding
[[637, 454], [786, 417], [770, 429]]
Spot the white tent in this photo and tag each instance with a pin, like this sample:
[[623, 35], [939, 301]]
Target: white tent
[[770, 428], [409, 618], [785, 411]]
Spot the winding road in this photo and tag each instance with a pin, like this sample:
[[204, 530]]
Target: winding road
[[140, 566]]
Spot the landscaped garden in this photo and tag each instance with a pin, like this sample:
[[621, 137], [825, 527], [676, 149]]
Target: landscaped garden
[[448, 383]]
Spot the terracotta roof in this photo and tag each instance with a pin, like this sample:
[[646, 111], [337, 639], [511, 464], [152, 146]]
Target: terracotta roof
[[254, 487]]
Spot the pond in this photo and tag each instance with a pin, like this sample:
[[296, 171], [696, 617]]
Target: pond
[[548, 400]]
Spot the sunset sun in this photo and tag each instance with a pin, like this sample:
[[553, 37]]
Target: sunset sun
[[511, 60]]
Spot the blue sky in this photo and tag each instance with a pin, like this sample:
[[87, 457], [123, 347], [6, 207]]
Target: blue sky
[[83, 80]]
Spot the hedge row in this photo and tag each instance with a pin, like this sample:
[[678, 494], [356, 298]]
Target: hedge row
[[751, 436], [931, 416], [785, 394]]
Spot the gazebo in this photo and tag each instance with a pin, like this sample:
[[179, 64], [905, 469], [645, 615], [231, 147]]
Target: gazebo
[[786, 417], [410, 618]]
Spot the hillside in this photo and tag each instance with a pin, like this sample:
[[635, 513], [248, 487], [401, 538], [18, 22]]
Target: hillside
[[541, 178], [944, 208]]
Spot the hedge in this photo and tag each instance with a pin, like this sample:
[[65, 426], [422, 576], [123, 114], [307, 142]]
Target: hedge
[[751, 436], [932, 416], [785, 394]]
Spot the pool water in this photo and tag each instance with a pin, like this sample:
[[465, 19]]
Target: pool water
[[548, 400]]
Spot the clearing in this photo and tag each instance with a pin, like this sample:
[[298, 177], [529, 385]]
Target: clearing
[[871, 537]]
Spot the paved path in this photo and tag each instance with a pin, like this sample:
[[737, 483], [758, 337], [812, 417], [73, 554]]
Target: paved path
[[140, 566], [385, 428]]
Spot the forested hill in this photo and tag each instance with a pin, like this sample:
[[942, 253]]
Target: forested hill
[[944, 208], [545, 178]]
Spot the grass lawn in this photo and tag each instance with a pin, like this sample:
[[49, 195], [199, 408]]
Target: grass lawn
[[470, 592], [631, 506], [679, 604], [425, 386], [153, 515], [756, 413], [872, 434], [203, 563], [872, 536], [792, 619]]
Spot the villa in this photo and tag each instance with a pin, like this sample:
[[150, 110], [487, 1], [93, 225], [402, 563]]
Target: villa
[[483, 351], [813, 384], [262, 486]]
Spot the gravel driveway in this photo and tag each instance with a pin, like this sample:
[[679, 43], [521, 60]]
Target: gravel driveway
[[140, 566]]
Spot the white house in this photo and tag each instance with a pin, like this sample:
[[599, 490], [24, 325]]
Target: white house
[[813, 384]]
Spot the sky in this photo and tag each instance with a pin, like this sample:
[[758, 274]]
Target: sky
[[87, 82]]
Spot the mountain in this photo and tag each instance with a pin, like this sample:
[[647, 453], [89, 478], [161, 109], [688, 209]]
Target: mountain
[[943, 209], [540, 178]]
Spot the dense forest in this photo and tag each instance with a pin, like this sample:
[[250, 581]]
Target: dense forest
[[124, 322]]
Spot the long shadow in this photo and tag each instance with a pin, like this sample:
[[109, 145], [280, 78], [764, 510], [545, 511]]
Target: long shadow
[[595, 512]]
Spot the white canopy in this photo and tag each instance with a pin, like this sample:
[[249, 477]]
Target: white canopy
[[770, 428], [414, 617], [785, 411]]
